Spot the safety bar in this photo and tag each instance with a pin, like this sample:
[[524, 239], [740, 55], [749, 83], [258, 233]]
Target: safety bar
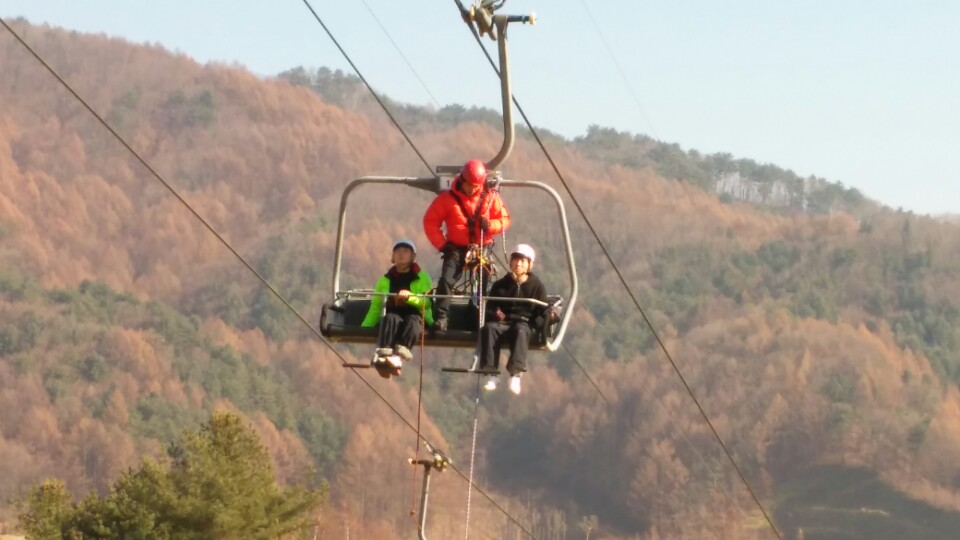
[[371, 294], [431, 184]]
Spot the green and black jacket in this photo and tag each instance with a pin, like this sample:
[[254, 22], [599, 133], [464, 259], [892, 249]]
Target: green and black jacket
[[417, 281]]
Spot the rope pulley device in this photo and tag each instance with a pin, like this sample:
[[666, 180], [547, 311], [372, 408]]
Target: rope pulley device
[[437, 462]]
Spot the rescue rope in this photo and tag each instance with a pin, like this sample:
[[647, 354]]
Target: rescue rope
[[503, 233], [473, 453], [416, 443], [480, 287], [240, 258], [476, 405], [649, 323]]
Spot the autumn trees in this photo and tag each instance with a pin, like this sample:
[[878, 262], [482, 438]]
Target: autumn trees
[[812, 334]]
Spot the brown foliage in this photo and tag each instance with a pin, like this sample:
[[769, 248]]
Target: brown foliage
[[262, 159]]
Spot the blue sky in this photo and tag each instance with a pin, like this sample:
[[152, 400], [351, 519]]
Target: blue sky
[[865, 93]]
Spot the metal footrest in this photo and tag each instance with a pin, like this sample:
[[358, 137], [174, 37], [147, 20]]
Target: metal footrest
[[468, 370]]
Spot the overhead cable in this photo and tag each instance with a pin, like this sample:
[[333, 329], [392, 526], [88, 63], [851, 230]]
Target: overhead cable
[[370, 88], [626, 287], [237, 255]]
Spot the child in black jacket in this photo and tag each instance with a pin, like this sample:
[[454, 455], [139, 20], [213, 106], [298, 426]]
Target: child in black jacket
[[509, 323]]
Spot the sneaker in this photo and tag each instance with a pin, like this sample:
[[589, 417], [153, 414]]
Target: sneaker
[[404, 353], [515, 384], [383, 351], [441, 324], [491, 383]]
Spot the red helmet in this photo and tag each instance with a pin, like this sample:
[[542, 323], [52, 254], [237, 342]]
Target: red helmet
[[474, 172]]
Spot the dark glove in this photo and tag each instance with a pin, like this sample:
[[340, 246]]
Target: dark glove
[[538, 323], [449, 251], [484, 225]]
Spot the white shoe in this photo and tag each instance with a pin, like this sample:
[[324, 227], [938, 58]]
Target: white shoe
[[404, 353], [515, 384], [393, 360], [383, 351], [388, 364], [394, 364], [491, 383]]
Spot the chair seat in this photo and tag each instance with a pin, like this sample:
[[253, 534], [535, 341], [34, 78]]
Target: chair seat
[[340, 322]]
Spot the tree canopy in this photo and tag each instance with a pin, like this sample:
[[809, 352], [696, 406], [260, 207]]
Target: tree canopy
[[215, 483], [818, 328]]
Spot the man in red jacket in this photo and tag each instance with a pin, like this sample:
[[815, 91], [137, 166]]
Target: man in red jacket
[[472, 214]]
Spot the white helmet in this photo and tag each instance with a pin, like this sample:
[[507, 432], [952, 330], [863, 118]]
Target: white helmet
[[524, 250], [405, 242]]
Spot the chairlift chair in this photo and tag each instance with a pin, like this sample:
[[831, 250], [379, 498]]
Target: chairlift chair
[[340, 319]]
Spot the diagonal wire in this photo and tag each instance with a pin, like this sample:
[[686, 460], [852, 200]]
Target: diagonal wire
[[616, 63], [662, 410], [505, 265], [173, 191], [586, 374], [574, 358], [643, 449], [626, 286], [400, 52], [626, 82], [653, 131], [414, 147], [370, 88]]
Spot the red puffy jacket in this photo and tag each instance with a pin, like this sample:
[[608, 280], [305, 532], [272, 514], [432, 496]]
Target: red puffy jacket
[[445, 209]]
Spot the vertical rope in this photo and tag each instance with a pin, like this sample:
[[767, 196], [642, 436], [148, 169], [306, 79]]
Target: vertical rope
[[473, 453], [503, 232], [311, 327], [416, 443], [482, 260], [476, 405]]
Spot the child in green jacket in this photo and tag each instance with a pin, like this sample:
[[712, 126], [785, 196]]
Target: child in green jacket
[[402, 321]]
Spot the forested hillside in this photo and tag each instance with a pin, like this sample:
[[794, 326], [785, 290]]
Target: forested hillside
[[818, 328]]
